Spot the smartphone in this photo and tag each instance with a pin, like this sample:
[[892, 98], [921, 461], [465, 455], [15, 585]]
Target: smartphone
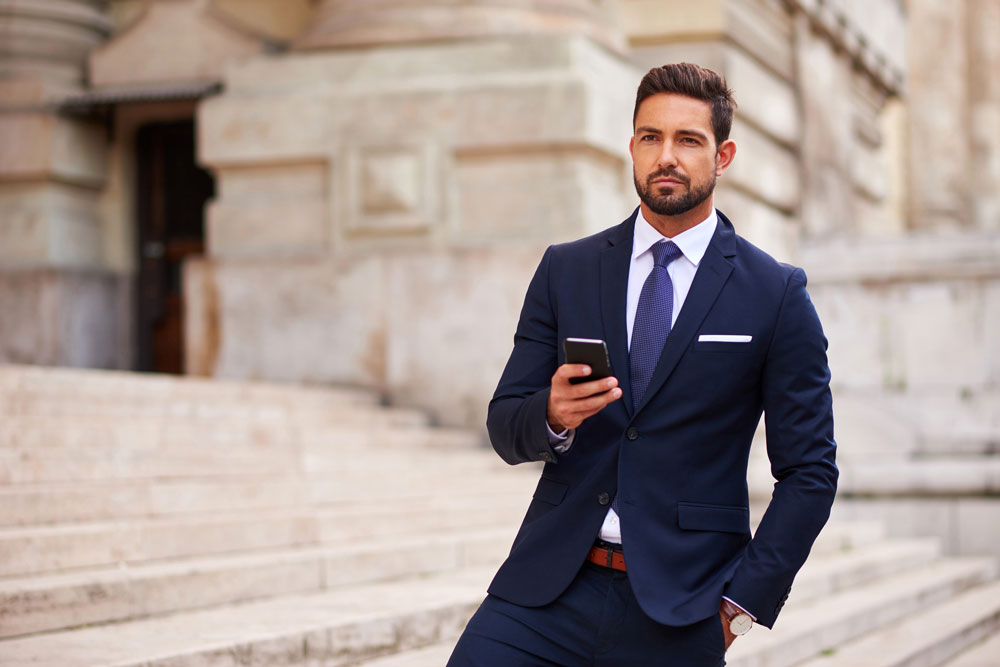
[[590, 351]]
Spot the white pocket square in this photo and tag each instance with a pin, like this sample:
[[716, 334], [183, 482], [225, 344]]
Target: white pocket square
[[723, 338]]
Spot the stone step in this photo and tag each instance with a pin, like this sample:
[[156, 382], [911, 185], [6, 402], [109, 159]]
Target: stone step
[[54, 602], [105, 500], [227, 453], [984, 654], [365, 506], [931, 636], [76, 385], [336, 627], [947, 476], [434, 655], [35, 550], [828, 573], [807, 628], [845, 536], [176, 414]]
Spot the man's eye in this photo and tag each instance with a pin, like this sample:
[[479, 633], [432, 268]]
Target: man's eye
[[648, 137]]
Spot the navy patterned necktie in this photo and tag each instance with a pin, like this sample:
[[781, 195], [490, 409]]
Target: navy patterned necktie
[[652, 319], [653, 316]]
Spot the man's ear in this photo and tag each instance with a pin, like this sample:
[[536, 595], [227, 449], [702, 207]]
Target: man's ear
[[724, 157], [631, 145]]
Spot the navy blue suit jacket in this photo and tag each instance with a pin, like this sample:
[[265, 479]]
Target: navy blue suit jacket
[[678, 462]]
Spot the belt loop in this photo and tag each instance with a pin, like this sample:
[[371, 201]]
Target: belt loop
[[611, 555]]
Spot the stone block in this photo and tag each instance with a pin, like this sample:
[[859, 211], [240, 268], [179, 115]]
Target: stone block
[[38, 146], [170, 41], [277, 228], [450, 319], [507, 194], [659, 21], [931, 318], [390, 189], [295, 128], [267, 181], [764, 98], [977, 528], [62, 318], [334, 331], [991, 332], [760, 223], [764, 29], [764, 167], [855, 323], [463, 96]]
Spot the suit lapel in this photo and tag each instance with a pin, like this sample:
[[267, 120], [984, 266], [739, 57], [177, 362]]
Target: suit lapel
[[615, 261], [711, 276]]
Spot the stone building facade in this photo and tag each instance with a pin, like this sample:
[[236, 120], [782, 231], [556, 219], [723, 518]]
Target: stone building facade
[[349, 191]]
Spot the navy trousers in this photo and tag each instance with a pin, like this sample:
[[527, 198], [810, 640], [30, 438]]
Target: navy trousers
[[596, 622]]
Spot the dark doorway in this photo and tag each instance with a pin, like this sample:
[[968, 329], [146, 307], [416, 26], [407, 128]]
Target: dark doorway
[[172, 195]]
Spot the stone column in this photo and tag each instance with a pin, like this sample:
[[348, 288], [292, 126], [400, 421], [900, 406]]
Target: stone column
[[386, 190], [983, 20], [352, 23], [56, 298]]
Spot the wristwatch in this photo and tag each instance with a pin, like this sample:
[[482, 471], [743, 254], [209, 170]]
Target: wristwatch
[[740, 622]]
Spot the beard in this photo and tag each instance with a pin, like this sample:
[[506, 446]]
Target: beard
[[672, 204]]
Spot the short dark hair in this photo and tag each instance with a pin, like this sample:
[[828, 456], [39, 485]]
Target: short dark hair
[[691, 81]]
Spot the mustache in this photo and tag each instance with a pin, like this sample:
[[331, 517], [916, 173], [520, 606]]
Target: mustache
[[669, 173]]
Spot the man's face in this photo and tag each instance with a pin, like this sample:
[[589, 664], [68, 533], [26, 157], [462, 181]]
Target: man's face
[[675, 161]]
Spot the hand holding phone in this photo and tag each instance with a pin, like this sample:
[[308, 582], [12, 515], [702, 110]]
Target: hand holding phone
[[570, 401]]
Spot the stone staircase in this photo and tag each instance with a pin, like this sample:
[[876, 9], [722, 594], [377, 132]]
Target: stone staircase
[[149, 520]]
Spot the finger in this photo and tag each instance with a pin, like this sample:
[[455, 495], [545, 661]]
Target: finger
[[585, 389], [567, 371], [592, 404]]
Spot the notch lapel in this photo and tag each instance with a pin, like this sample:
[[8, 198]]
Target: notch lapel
[[615, 261], [712, 274]]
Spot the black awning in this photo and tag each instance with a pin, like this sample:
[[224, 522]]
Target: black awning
[[101, 99]]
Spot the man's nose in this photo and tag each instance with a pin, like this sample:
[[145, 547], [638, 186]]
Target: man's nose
[[666, 157]]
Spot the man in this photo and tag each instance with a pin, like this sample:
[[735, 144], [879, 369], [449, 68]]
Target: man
[[636, 548]]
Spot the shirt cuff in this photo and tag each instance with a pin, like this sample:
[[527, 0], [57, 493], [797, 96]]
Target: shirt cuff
[[560, 442], [726, 597]]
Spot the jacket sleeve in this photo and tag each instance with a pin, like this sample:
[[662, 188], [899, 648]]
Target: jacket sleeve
[[798, 416], [516, 416]]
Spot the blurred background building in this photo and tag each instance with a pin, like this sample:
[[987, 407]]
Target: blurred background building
[[356, 192]]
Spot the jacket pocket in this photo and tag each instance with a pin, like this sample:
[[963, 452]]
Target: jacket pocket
[[724, 518], [550, 491]]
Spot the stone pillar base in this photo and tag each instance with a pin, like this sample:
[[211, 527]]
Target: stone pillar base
[[63, 317]]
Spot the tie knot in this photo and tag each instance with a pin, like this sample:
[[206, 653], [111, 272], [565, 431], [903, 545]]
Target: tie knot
[[665, 252]]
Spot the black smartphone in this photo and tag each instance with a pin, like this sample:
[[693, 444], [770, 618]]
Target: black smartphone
[[590, 351]]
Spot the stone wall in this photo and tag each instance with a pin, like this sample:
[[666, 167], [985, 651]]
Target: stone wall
[[59, 303], [380, 210]]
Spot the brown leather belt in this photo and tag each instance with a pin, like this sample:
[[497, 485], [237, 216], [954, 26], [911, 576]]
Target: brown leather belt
[[607, 557]]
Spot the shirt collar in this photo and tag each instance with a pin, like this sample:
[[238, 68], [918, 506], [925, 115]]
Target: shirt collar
[[692, 242]]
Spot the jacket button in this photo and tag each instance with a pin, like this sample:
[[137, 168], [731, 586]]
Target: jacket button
[[545, 456], [632, 433], [603, 498]]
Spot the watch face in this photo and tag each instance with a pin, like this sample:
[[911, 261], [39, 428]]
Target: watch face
[[740, 624]]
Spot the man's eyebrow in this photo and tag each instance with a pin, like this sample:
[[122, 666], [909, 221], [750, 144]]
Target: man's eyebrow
[[647, 130], [694, 133]]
